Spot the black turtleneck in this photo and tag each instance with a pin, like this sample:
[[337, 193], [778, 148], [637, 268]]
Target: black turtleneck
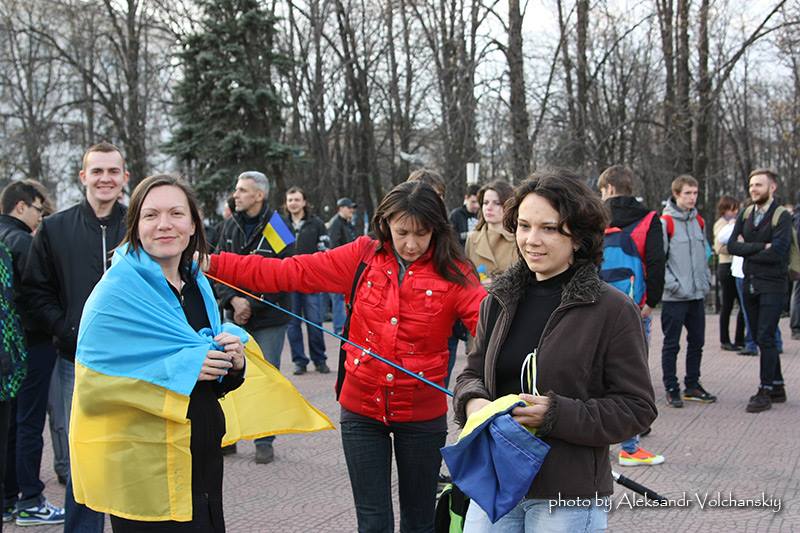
[[541, 298]]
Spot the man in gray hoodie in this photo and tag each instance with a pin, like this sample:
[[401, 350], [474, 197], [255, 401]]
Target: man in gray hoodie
[[687, 280]]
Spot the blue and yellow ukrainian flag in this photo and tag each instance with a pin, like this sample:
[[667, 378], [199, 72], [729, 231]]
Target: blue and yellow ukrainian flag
[[277, 233], [136, 365]]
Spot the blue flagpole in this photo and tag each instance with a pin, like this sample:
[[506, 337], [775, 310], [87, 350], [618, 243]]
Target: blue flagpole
[[348, 341]]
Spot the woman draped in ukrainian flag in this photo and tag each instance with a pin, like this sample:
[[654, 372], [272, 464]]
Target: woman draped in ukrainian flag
[[152, 362]]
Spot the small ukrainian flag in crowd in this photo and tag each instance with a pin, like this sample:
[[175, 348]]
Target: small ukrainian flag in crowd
[[277, 233]]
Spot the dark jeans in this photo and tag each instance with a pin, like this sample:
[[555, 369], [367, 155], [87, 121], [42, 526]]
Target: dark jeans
[[9, 479], [674, 317], [729, 295], [368, 452], [31, 410], [309, 306], [764, 311], [5, 415]]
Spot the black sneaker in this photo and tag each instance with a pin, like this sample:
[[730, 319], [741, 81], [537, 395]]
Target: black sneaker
[[299, 370], [728, 347], [777, 394], [674, 397], [698, 394], [747, 351], [759, 402], [322, 368]]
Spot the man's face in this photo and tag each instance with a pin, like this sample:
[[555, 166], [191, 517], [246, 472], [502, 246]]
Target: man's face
[[686, 199], [346, 213], [471, 204], [104, 176], [761, 189], [30, 214], [295, 203], [248, 197]]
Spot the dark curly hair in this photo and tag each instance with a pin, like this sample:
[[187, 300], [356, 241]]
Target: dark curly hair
[[583, 216]]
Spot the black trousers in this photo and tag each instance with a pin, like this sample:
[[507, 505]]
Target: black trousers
[[729, 295], [764, 312], [5, 414]]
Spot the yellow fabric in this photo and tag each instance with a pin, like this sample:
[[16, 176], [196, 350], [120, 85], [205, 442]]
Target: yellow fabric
[[265, 387], [129, 439], [489, 410]]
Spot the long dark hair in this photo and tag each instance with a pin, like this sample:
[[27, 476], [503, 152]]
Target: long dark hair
[[420, 201], [197, 242], [579, 209]]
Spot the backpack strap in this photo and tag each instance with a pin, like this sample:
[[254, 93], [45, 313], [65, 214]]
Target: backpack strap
[[701, 222], [340, 374], [639, 234], [670, 223]]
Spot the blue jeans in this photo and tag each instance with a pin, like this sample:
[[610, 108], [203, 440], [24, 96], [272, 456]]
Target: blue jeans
[[58, 423], [309, 306], [542, 516], [79, 518], [632, 444], [749, 341], [368, 453], [674, 316], [31, 411], [270, 340], [338, 312]]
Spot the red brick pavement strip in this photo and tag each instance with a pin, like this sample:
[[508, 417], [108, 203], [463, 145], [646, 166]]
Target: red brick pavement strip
[[708, 449]]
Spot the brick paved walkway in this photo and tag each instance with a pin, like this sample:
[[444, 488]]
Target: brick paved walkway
[[708, 448]]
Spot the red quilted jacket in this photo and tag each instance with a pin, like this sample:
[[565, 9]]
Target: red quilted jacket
[[408, 324]]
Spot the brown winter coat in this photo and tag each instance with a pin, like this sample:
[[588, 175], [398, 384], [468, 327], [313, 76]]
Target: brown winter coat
[[592, 363], [495, 251]]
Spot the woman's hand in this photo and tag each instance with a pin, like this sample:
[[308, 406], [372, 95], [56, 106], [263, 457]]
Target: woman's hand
[[532, 415], [216, 364], [205, 264], [232, 346], [476, 404]]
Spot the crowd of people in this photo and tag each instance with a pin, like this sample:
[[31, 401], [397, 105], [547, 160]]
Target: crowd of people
[[527, 276]]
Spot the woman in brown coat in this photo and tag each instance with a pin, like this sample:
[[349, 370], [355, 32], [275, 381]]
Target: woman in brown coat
[[551, 312]]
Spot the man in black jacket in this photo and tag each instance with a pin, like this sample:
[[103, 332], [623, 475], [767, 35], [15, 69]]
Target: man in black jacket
[[243, 234], [616, 190], [22, 204], [763, 236], [341, 231], [465, 218], [69, 255], [310, 237]]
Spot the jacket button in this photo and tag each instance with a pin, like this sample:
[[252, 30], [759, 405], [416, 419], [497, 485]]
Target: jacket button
[[410, 272], [356, 361], [369, 284], [421, 374], [389, 377], [429, 293], [393, 321], [389, 272]]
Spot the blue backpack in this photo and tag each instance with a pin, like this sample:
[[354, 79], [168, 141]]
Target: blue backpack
[[623, 251]]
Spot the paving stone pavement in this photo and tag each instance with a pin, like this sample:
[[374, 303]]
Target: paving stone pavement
[[709, 449]]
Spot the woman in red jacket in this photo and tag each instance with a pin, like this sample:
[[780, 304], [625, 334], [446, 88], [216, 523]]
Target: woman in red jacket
[[416, 284]]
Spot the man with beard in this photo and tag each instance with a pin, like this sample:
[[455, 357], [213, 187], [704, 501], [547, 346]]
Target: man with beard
[[763, 236]]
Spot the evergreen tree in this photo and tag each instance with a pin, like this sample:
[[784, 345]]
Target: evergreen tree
[[227, 107]]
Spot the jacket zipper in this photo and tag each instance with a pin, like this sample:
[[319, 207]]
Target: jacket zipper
[[105, 248]]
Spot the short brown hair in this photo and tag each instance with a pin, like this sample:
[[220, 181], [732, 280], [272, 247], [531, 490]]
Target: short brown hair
[[726, 203], [105, 147], [618, 176], [294, 189], [771, 174], [431, 177], [684, 180], [504, 192], [579, 209], [197, 242]]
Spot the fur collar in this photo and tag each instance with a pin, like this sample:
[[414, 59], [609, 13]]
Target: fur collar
[[584, 287]]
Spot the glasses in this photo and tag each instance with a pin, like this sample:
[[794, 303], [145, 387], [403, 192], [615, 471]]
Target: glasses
[[38, 208]]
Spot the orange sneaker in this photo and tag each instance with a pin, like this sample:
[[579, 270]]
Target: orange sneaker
[[639, 457]]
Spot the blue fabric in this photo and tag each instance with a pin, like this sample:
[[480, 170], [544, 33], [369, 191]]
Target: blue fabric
[[154, 343], [496, 463]]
